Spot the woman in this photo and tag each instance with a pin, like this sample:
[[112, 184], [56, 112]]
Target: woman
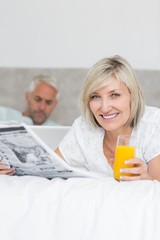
[[112, 104]]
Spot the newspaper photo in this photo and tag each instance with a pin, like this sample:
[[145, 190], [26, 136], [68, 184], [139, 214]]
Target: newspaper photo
[[22, 149]]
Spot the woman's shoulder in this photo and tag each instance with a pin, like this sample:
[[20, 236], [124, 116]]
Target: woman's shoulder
[[149, 123], [151, 114], [81, 122], [148, 126], [85, 128], [82, 136]]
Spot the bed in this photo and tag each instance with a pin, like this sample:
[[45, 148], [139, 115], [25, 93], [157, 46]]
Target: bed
[[36, 208]]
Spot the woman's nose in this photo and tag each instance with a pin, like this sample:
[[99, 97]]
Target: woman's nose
[[105, 105]]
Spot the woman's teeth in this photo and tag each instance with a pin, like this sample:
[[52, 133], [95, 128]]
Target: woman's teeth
[[110, 116]]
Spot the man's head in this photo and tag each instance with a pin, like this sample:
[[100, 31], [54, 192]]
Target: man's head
[[41, 98]]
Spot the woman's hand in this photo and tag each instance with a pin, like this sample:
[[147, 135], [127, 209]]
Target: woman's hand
[[139, 171], [6, 169]]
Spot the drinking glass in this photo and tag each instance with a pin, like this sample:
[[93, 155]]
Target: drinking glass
[[125, 150]]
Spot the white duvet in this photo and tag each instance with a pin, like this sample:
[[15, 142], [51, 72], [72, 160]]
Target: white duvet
[[34, 208]]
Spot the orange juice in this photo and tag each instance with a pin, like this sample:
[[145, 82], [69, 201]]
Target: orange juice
[[123, 153]]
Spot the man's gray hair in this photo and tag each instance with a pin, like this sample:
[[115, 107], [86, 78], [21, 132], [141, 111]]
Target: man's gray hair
[[50, 80]]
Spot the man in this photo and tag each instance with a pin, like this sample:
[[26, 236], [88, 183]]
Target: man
[[41, 99]]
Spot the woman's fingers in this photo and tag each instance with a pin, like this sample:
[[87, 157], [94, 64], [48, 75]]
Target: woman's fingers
[[138, 172], [3, 166], [6, 169], [130, 178]]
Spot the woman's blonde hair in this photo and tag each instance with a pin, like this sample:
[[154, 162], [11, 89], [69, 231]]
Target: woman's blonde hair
[[97, 77]]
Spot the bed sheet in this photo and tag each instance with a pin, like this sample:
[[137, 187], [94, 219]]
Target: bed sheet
[[36, 208]]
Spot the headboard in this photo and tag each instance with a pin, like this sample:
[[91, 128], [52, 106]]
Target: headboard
[[14, 82]]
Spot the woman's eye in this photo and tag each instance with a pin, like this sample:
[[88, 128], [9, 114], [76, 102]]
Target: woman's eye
[[115, 95], [94, 97]]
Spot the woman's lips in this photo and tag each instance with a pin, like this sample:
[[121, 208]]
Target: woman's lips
[[110, 116]]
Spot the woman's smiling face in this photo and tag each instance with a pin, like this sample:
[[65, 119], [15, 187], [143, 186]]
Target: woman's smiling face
[[111, 105]]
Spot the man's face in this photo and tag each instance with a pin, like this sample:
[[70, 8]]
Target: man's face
[[41, 103]]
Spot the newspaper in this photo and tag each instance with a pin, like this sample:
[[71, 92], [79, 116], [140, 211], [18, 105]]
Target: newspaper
[[22, 149]]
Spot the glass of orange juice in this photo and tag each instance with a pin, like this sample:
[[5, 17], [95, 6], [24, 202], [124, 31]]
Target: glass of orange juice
[[125, 150]]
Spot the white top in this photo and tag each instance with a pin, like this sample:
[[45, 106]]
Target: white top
[[83, 144], [12, 115], [9, 114]]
